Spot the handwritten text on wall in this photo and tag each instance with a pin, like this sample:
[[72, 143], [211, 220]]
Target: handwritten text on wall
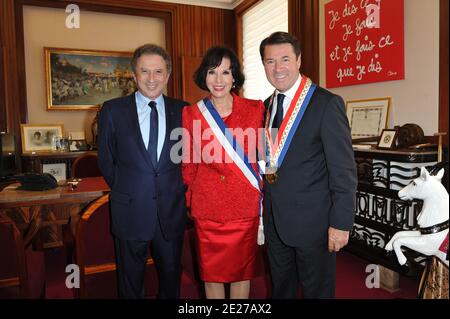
[[364, 41]]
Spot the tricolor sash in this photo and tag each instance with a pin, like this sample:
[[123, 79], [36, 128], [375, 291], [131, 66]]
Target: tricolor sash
[[234, 151], [276, 149], [229, 142]]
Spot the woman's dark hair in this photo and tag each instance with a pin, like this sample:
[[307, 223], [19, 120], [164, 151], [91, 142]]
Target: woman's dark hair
[[212, 60], [280, 38]]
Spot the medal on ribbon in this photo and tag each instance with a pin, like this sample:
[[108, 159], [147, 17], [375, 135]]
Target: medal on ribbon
[[241, 163], [276, 148]]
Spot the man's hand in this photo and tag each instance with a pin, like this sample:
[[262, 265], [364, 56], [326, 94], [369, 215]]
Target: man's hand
[[337, 239]]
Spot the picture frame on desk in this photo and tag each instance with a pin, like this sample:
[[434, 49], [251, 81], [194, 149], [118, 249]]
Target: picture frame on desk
[[39, 137], [78, 145], [79, 79], [58, 170], [368, 117], [387, 139]]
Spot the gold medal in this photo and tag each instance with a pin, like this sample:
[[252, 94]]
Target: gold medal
[[271, 178], [276, 148], [271, 174]]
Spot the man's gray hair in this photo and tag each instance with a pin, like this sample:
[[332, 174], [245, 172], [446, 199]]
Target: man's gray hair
[[151, 49]]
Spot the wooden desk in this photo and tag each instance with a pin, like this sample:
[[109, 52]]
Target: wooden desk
[[41, 215]]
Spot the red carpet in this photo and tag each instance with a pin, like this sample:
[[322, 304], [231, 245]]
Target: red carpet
[[350, 281]]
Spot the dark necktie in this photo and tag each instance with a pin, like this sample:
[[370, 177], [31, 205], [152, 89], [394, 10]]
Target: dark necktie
[[278, 118], [153, 138]]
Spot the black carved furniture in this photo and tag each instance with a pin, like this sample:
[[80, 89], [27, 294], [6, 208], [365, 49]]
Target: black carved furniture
[[379, 211]]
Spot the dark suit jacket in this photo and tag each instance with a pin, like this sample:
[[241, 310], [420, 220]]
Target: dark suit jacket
[[317, 180], [140, 191]]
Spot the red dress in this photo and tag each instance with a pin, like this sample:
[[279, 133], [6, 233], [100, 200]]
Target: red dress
[[224, 206]]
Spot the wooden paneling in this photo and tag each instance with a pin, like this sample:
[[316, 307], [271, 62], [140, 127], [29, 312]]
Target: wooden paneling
[[13, 103], [203, 27], [199, 29], [2, 91], [190, 31], [443, 69], [191, 92], [304, 24], [9, 67]]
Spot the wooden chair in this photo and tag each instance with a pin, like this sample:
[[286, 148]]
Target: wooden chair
[[94, 254], [22, 270], [85, 166]]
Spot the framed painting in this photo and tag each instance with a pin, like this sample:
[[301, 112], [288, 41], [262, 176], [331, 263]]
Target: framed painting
[[368, 118], [83, 79], [40, 138]]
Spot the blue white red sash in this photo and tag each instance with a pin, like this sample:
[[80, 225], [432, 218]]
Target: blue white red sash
[[226, 139], [229, 143], [276, 151]]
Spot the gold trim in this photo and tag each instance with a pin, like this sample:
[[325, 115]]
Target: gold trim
[[10, 282], [22, 131], [48, 86], [90, 270]]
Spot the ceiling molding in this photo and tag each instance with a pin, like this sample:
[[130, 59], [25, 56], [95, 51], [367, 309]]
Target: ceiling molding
[[222, 4]]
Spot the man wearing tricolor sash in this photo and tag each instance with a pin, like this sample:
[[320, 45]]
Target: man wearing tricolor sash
[[310, 175]]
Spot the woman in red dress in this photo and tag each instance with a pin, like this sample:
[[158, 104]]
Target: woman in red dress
[[224, 204]]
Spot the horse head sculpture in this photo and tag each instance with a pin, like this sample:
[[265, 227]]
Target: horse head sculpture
[[432, 236]]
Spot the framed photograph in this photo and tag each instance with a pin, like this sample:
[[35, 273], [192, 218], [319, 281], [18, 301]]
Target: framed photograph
[[387, 139], [39, 138], [78, 145], [368, 118], [83, 79], [58, 170]]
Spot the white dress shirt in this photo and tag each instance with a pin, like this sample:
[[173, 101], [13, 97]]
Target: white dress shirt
[[288, 97]]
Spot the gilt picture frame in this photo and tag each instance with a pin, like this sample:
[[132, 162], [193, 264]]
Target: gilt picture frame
[[39, 138], [78, 79]]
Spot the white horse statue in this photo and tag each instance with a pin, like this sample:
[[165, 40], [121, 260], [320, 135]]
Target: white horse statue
[[432, 235]]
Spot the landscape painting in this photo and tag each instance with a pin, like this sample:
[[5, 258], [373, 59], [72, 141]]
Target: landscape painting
[[84, 79]]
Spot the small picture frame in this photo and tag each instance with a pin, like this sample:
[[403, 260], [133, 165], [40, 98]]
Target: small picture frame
[[58, 170], [387, 139], [78, 145], [39, 138]]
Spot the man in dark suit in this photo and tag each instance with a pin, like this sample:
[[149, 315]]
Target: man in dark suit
[[147, 194], [310, 189]]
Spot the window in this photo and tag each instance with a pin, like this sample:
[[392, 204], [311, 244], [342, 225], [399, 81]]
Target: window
[[258, 23]]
